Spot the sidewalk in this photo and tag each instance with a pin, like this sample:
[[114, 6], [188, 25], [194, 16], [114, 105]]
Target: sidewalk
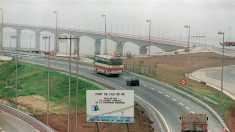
[[200, 76]]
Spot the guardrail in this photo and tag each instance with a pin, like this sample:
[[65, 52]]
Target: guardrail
[[27, 118], [182, 93]]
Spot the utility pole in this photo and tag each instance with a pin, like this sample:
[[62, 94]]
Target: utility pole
[[69, 84], [187, 83], [1, 46], [48, 79], [149, 21], [105, 44], [16, 85], [222, 73]]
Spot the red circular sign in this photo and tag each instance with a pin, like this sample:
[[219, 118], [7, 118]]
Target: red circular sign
[[182, 81]]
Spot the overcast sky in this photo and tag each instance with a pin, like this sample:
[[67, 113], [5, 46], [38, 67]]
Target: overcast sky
[[170, 16]]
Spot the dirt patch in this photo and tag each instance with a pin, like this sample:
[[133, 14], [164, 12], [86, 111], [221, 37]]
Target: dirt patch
[[36, 104], [59, 123]]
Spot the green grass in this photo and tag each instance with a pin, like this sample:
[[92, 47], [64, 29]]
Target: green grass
[[33, 81]]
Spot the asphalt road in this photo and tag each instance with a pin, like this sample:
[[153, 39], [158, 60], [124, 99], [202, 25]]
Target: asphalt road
[[10, 123], [169, 104]]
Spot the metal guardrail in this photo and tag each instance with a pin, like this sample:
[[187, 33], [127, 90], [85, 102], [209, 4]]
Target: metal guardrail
[[27, 118], [182, 93]]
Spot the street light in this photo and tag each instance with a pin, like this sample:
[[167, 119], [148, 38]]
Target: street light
[[149, 21], [48, 78], [30, 42], [187, 83], [222, 72], [56, 31], [105, 44], [1, 47], [16, 85], [69, 85]]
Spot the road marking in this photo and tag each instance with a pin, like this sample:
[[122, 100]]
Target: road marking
[[173, 99], [159, 92], [181, 104], [144, 85], [167, 95], [152, 88], [187, 108], [162, 118]]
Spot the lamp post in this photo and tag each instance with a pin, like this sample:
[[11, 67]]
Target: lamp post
[[16, 85], [149, 21], [105, 43], [222, 72], [56, 31], [187, 83], [69, 84], [77, 85], [48, 79], [30, 43], [1, 47]]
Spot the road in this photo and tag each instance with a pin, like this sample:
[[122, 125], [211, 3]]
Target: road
[[169, 104], [213, 76], [10, 123]]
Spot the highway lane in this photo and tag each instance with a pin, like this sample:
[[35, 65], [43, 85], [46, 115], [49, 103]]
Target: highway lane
[[10, 123], [170, 104]]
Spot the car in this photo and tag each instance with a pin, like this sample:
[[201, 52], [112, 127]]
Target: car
[[132, 81]]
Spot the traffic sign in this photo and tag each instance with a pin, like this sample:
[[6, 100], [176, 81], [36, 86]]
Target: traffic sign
[[183, 82]]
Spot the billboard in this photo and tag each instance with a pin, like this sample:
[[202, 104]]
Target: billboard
[[114, 106]]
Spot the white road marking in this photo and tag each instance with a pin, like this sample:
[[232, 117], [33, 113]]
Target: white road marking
[[144, 85], [159, 92], [187, 108], [173, 99], [167, 95], [181, 104], [152, 88]]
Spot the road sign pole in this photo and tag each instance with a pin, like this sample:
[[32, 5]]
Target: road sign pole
[[97, 127], [127, 127]]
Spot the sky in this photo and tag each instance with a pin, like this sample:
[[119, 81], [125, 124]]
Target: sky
[[168, 17], [206, 17]]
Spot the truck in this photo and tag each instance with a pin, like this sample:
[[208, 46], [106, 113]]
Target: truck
[[194, 122]]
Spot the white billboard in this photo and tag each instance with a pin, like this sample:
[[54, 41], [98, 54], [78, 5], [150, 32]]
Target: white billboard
[[115, 106]]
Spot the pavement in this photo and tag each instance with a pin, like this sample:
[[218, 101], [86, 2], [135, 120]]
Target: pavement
[[212, 77], [10, 123]]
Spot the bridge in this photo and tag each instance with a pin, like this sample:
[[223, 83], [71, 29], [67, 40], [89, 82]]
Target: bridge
[[120, 39]]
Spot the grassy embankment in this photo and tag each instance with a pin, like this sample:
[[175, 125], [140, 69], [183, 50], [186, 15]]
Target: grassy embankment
[[170, 69], [33, 81]]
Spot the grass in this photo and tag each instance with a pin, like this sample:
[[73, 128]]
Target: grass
[[32, 80]]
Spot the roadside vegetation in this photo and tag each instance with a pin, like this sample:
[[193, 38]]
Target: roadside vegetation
[[32, 80], [32, 95], [171, 69]]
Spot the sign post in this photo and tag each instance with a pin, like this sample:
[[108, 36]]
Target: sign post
[[182, 83]]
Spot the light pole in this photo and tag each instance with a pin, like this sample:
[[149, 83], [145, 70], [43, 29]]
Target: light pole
[[222, 73], [69, 85], [105, 43], [16, 85], [187, 83], [1, 47], [77, 85], [56, 31], [30, 42], [149, 21], [48, 79]]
